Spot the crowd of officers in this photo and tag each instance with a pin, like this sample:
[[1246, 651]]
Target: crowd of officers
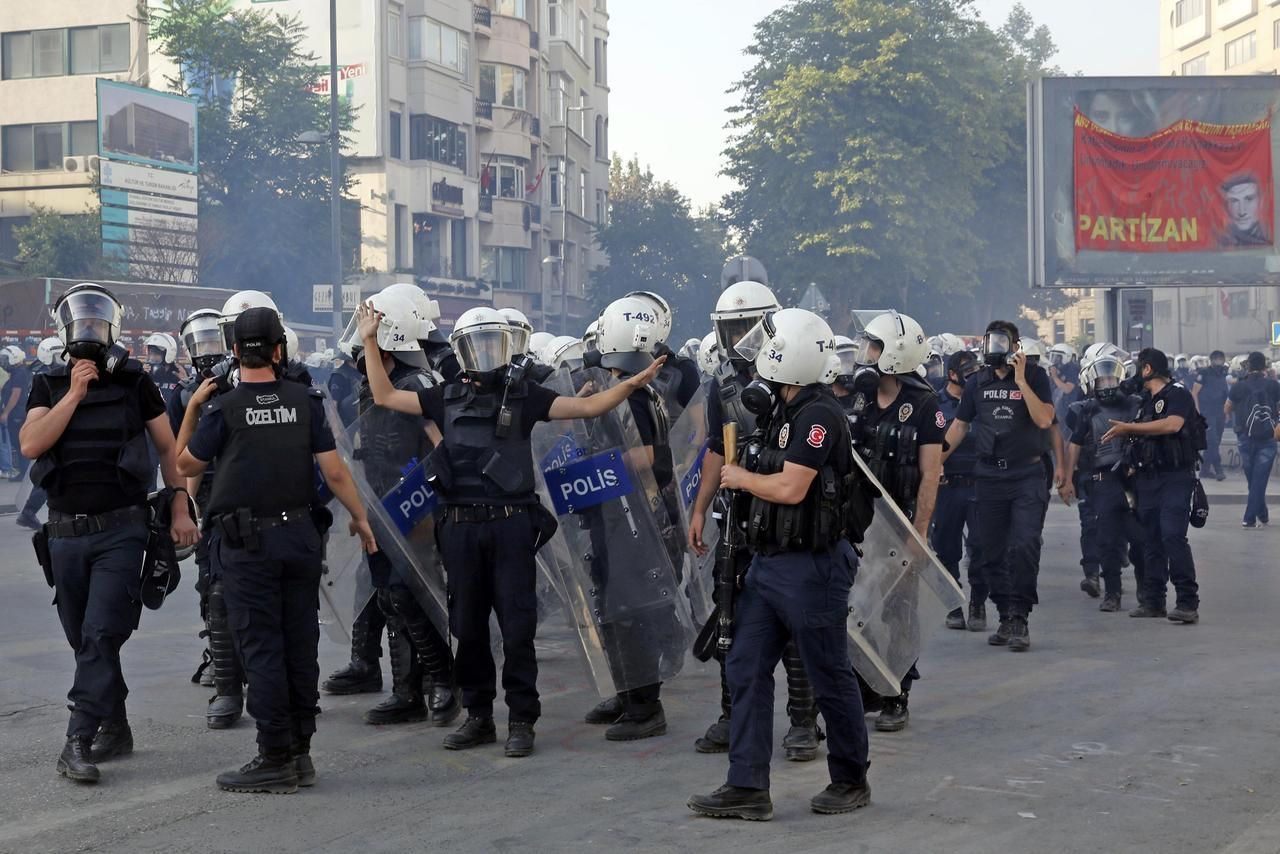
[[968, 443]]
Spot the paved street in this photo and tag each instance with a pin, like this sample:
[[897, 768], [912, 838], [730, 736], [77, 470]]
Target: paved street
[[1111, 735]]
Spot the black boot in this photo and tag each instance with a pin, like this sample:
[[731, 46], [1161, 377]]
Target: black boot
[[977, 617], [638, 720], [606, 711], [114, 738], [300, 751], [734, 802], [519, 740], [893, 715], [76, 762], [363, 675], [1091, 586], [227, 705], [406, 703], [270, 772], [1019, 633], [473, 733], [1110, 602], [435, 659], [716, 738], [955, 619], [1002, 634], [841, 797], [801, 741]]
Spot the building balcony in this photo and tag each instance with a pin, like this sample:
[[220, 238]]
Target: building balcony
[[1190, 32], [535, 213], [484, 110], [486, 203], [535, 127], [1230, 12], [483, 18]]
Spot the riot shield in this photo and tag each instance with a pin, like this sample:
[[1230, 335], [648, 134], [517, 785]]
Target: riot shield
[[889, 617], [615, 570], [688, 449], [392, 481], [345, 585]]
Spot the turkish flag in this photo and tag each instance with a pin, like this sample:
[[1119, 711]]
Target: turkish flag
[[1224, 302]]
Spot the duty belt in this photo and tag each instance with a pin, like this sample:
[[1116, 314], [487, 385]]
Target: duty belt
[[482, 512], [79, 525], [1107, 474], [284, 517], [1005, 465], [956, 480]]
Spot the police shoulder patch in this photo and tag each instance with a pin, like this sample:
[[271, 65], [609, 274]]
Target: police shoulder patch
[[939, 419], [904, 412], [784, 436], [817, 435], [1159, 406]]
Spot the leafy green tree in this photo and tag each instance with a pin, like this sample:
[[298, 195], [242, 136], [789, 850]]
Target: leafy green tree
[[56, 245], [264, 193], [655, 242]]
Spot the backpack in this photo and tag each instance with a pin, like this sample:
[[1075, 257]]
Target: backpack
[[1260, 418]]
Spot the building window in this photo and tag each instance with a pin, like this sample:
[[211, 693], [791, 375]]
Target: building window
[[439, 246], [1059, 332], [50, 49], [1275, 35], [458, 247], [556, 173], [582, 113], [505, 178], [556, 26], [510, 8], [54, 53], [1187, 10], [401, 244], [1238, 304], [582, 192], [393, 136], [1196, 67], [435, 42], [600, 147], [436, 139], [602, 59], [559, 97], [1241, 50], [502, 84], [602, 207], [582, 34], [1086, 328], [395, 43], [1199, 308], [505, 267], [41, 148], [15, 51]]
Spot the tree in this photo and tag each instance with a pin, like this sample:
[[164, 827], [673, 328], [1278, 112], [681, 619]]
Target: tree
[[54, 245], [878, 145], [656, 243], [264, 194]]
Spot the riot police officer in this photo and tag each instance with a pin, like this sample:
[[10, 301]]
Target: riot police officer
[[897, 428], [1010, 407], [265, 540], [798, 583], [678, 381], [49, 352], [1210, 393], [1166, 453], [1101, 468], [739, 309], [955, 517], [492, 524], [162, 357], [85, 429]]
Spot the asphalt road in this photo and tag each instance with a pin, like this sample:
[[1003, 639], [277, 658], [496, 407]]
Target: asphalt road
[[1112, 734]]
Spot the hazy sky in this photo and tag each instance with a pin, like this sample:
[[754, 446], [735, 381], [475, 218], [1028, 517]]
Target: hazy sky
[[671, 62]]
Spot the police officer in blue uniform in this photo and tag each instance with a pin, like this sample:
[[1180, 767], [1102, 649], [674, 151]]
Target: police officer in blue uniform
[[803, 493], [1102, 468], [1166, 457], [955, 516], [1010, 407], [1210, 393], [265, 540], [86, 427], [492, 524]]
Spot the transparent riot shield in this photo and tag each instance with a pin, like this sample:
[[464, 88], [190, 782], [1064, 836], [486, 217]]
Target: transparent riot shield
[[345, 586], [615, 569], [889, 618], [688, 449], [386, 455]]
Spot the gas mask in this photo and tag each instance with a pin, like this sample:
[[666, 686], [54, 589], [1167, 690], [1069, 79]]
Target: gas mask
[[1133, 384], [866, 380], [760, 397], [997, 346]]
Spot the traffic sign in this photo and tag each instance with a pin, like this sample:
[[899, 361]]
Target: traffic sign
[[1275, 333], [814, 300]]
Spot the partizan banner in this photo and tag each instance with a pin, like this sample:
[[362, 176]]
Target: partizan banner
[[1191, 187]]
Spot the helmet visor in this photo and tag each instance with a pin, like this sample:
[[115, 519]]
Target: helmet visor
[[483, 350], [997, 342], [866, 349], [935, 368], [203, 338], [848, 364], [732, 331], [89, 316], [520, 337], [1059, 357]]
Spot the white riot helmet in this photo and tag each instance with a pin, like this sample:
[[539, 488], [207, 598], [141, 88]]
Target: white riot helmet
[[899, 340], [291, 346], [1181, 360], [1033, 350], [1063, 354], [50, 350], [398, 326], [1237, 365], [739, 308], [88, 318], [481, 339], [242, 301], [1199, 363], [14, 355], [690, 349], [846, 362], [1097, 351], [792, 347], [944, 344], [709, 355], [592, 335], [628, 330], [538, 342], [165, 344], [661, 310], [564, 351], [521, 330], [425, 309], [201, 334]]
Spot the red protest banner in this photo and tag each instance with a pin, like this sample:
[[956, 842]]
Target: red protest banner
[[1192, 187]]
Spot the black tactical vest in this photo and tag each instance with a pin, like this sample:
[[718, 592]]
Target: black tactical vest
[[390, 441], [104, 443], [267, 464], [1105, 456], [1171, 451], [891, 448], [731, 409], [166, 379], [1003, 428], [486, 469]]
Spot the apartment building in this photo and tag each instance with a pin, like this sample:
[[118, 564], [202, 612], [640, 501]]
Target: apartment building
[[51, 55]]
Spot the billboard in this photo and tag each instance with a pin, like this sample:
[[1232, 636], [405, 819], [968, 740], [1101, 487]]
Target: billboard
[[1152, 181], [138, 125]]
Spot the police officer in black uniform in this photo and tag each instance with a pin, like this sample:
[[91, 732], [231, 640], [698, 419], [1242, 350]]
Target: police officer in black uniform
[[1102, 468], [1010, 407], [86, 426], [1166, 457], [1210, 393], [897, 428], [492, 524], [265, 534], [739, 308], [955, 516], [162, 354], [803, 492]]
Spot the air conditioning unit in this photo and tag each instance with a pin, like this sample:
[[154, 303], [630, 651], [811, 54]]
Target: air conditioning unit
[[81, 163]]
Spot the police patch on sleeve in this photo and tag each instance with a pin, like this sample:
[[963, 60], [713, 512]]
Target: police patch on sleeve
[[784, 436], [817, 435], [939, 419]]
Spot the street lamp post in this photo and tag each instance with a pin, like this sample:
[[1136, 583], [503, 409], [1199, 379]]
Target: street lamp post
[[335, 175]]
